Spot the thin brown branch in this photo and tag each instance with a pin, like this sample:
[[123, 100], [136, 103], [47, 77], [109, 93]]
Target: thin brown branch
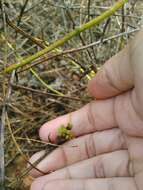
[[44, 93], [46, 58]]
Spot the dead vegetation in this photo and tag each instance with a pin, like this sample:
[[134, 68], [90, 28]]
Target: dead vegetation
[[33, 95]]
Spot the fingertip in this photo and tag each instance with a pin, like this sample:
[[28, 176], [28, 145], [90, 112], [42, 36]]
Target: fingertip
[[96, 88], [33, 172], [49, 130], [91, 87], [45, 132], [101, 87]]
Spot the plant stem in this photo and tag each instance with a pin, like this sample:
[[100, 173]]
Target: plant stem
[[45, 84], [68, 36]]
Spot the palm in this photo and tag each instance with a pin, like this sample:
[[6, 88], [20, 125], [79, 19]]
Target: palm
[[130, 122], [108, 152], [136, 160]]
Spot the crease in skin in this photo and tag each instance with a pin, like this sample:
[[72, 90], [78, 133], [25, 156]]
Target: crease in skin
[[136, 185], [110, 80], [134, 130], [98, 168], [90, 147], [98, 85], [115, 77], [119, 80], [92, 184], [138, 178], [134, 101], [130, 163], [135, 144], [90, 116], [114, 110], [82, 120], [136, 47], [68, 174], [126, 117], [114, 142], [111, 184], [87, 149], [64, 156]]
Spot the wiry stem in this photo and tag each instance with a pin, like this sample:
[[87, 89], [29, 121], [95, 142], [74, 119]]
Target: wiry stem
[[2, 123], [67, 37]]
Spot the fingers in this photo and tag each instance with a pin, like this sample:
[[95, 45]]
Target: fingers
[[115, 77], [127, 117], [80, 149], [89, 184], [95, 116], [121, 73], [136, 57], [115, 164]]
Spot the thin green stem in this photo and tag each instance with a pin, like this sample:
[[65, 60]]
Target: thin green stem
[[68, 36], [44, 83]]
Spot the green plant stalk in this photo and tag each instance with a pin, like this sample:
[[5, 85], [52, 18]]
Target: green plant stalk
[[68, 36], [44, 84]]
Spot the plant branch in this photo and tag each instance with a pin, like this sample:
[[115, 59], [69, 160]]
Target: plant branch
[[67, 37], [75, 50]]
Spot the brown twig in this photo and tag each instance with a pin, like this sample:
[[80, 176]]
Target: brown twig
[[43, 93], [74, 50]]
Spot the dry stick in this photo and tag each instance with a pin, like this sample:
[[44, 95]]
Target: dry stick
[[24, 33], [81, 38], [6, 115], [8, 97], [88, 9], [70, 51], [2, 170], [31, 165], [105, 28], [121, 43], [42, 46], [123, 19], [39, 44], [44, 93], [35, 74], [34, 6], [90, 32], [34, 40], [94, 7], [22, 12], [4, 107], [67, 37], [4, 112], [16, 144]]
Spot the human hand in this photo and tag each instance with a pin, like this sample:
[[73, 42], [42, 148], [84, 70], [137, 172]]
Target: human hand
[[108, 153]]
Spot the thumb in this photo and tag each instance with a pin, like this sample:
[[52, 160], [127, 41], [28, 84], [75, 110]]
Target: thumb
[[114, 78]]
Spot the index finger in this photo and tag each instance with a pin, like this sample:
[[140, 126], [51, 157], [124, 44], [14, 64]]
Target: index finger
[[95, 116]]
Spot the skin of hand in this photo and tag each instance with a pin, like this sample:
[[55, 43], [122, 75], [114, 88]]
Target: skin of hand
[[108, 151]]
